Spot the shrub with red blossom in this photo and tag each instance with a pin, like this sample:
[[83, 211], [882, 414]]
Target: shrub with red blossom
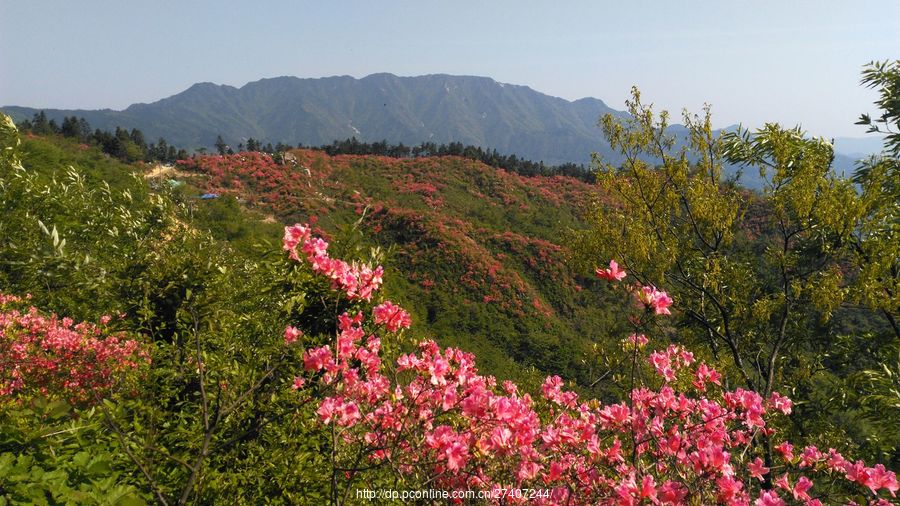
[[678, 437], [48, 356]]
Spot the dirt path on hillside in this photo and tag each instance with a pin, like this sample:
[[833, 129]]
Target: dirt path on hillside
[[170, 171]]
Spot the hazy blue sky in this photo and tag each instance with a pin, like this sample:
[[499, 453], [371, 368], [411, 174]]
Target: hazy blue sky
[[787, 61]]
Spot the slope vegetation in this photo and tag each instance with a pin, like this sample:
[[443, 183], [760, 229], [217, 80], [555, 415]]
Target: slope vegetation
[[480, 250]]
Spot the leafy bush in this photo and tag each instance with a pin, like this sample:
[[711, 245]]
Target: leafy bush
[[51, 452]]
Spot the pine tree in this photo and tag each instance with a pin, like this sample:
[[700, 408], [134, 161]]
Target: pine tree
[[221, 147]]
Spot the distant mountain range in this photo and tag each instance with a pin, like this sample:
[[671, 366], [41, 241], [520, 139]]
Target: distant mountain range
[[439, 108], [433, 108]]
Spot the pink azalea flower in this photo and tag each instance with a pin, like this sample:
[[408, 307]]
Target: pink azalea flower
[[810, 456], [638, 340], [348, 414], [391, 316], [291, 334], [729, 488], [551, 389], [769, 498], [613, 273], [653, 298], [878, 477], [757, 469], [528, 470], [836, 461], [802, 486], [456, 453], [783, 483], [317, 358], [661, 302], [786, 450], [705, 374], [557, 470], [672, 492], [293, 236], [327, 409], [648, 488], [663, 365], [780, 402]]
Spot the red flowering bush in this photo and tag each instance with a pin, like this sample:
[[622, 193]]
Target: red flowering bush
[[48, 356], [677, 438]]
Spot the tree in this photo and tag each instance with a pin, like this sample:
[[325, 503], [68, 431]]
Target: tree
[[753, 274], [71, 127], [163, 149], [39, 124], [137, 137], [876, 233], [885, 76], [221, 147], [85, 128]]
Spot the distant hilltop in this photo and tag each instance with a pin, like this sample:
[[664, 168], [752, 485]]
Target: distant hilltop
[[435, 108]]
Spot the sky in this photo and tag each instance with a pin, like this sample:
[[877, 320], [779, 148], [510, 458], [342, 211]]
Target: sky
[[793, 62]]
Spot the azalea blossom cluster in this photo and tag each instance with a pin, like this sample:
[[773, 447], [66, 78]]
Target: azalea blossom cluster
[[393, 317], [656, 300], [55, 357], [432, 418], [660, 446], [356, 281]]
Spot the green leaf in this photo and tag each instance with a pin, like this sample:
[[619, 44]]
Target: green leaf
[[58, 409]]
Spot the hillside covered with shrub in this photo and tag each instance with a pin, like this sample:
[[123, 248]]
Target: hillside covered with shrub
[[302, 329], [481, 251]]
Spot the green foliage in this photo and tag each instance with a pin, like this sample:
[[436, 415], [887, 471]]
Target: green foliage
[[215, 416], [879, 389], [885, 76], [229, 421], [9, 142], [757, 278], [227, 221], [68, 235], [50, 454], [875, 236]]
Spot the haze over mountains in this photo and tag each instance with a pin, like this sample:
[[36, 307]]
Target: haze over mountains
[[433, 108]]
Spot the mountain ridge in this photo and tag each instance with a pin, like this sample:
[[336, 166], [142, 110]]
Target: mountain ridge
[[439, 108]]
